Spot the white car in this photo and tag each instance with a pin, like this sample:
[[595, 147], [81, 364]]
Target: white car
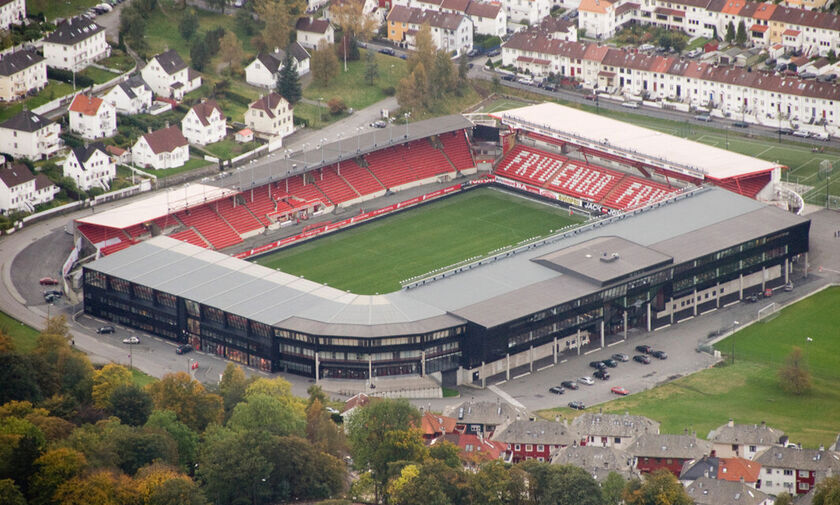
[[131, 340], [586, 380]]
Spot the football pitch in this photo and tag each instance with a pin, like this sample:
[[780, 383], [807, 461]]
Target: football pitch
[[374, 257]]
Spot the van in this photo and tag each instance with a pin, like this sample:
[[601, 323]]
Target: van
[[525, 80], [630, 105], [703, 117]]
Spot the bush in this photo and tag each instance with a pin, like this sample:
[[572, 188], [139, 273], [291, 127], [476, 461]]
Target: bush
[[336, 105], [389, 91], [236, 97], [58, 74], [300, 120]]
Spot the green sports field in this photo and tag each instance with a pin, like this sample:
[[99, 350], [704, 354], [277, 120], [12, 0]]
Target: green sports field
[[375, 257]]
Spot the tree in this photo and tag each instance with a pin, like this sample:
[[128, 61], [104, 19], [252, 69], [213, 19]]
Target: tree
[[133, 26], [730, 32], [315, 392], [794, 376], [288, 84], [10, 494], [177, 492], [102, 487], [194, 406], [59, 368], [138, 447], [612, 487], [497, 483], [303, 470], [371, 67], [443, 76], [350, 17], [828, 491], [658, 488], [424, 50], [336, 105], [231, 52], [741, 35], [279, 17], [463, 70], [130, 404], [412, 488], [562, 484], [323, 64], [188, 25], [234, 465], [447, 453], [262, 412], [199, 55], [106, 380], [411, 91], [54, 467], [219, 5], [784, 498], [185, 438], [19, 378], [322, 432]]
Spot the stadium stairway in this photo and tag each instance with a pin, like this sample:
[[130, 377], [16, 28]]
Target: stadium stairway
[[192, 237], [211, 226], [360, 178], [239, 217], [333, 186], [260, 203], [457, 150]]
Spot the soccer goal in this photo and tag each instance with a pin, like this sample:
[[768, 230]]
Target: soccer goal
[[573, 210], [768, 312], [833, 202]]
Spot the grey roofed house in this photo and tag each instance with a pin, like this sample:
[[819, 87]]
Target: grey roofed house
[[83, 153], [794, 458], [708, 491], [488, 414], [15, 174], [597, 461], [132, 83], [614, 425], [13, 63], [26, 121], [707, 466], [273, 61], [73, 30], [170, 61], [670, 446], [526, 431], [746, 434]]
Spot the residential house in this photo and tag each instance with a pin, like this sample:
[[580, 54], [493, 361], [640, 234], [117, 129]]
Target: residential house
[[693, 469], [525, 12], [244, 135], [270, 115], [204, 123], [30, 135], [740, 470], [525, 439], [557, 29], [131, 96], [795, 470], [434, 426], [485, 417], [709, 491], [370, 9], [264, 71], [744, 440], [92, 117], [21, 73], [311, 32], [612, 430], [450, 32], [355, 402], [651, 452], [75, 44], [118, 154], [597, 461], [20, 190], [474, 450], [161, 149], [598, 18], [90, 166], [169, 77], [488, 18], [12, 12]]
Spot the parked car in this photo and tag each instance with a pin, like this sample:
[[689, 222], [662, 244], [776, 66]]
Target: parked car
[[751, 299], [50, 298], [601, 374], [740, 124], [558, 390], [388, 51], [800, 133], [611, 363], [818, 135], [508, 77], [644, 349], [784, 131], [472, 52], [131, 340], [586, 380], [788, 287], [55, 292], [569, 384], [630, 105], [183, 349], [105, 329], [641, 358], [703, 117], [659, 354], [619, 391], [494, 52], [620, 356], [379, 124], [48, 281], [597, 365], [577, 405], [589, 97]]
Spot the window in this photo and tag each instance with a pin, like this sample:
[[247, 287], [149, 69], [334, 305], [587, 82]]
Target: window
[[788, 472], [617, 440], [752, 448], [529, 447], [540, 448], [517, 447]]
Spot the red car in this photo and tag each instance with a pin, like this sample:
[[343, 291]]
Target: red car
[[620, 391], [48, 281]]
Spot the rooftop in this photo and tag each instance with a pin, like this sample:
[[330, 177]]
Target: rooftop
[[670, 446], [709, 491], [614, 425], [525, 431], [17, 61], [746, 434], [73, 31]]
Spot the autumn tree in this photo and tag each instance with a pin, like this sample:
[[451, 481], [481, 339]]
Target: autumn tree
[[424, 50], [101, 487], [21, 444], [324, 64], [497, 483], [354, 23], [106, 380], [53, 468], [784, 498], [231, 52], [322, 432], [278, 18], [828, 491], [188, 399], [794, 376], [59, 368], [10, 494], [658, 488]]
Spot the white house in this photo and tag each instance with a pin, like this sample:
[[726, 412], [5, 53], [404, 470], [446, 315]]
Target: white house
[[271, 115], [132, 96], [29, 135], [169, 76], [90, 166], [21, 72], [20, 190], [744, 440], [75, 44], [92, 117], [795, 470], [161, 149], [450, 31], [265, 69], [12, 12], [311, 31], [526, 12], [204, 123], [488, 18]]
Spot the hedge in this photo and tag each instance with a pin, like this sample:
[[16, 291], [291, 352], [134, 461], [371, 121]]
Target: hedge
[[58, 74]]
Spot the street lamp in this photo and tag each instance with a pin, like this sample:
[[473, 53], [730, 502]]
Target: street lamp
[[359, 131], [320, 116], [406, 115]]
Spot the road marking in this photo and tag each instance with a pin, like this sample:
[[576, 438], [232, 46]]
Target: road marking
[[662, 327], [616, 343], [565, 360], [731, 303], [506, 397], [499, 383], [686, 319], [521, 375], [710, 310], [543, 368], [590, 352]]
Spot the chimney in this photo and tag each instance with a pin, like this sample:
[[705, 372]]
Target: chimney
[[742, 479], [763, 424], [167, 124], [150, 129], [731, 423]]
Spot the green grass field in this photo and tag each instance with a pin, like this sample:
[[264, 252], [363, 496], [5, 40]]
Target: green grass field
[[502, 104], [375, 257], [352, 86], [748, 390]]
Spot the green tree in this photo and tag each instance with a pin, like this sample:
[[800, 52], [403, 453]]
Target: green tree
[[185, 438], [199, 55], [59, 368], [658, 488], [19, 378], [730, 32], [741, 35], [218, 5], [188, 24], [447, 453], [234, 466], [371, 67], [185, 396], [231, 52], [10, 494], [784, 498], [562, 484], [794, 376], [324, 64], [130, 404], [262, 412], [828, 491], [443, 76], [322, 432], [21, 443], [303, 471], [414, 487], [138, 447], [133, 26], [288, 84], [497, 483], [612, 488]]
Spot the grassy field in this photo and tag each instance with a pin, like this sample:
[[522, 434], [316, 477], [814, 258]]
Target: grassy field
[[192, 164], [118, 61], [228, 148], [23, 336], [375, 257], [502, 104], [98, 75], [352, 87], [748, 390], [59, 8], [53, 90]]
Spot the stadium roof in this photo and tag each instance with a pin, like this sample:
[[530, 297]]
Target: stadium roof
[[660, 149], [157, 205], [516, 286]]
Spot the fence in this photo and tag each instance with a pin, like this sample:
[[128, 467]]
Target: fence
[[123, 193], [34, 218]]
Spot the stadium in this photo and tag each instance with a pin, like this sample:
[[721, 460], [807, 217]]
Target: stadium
[[674, 229]]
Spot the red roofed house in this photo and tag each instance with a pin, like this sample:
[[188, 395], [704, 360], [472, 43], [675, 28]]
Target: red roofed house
[[92, 117], [204, 123], [739, 470], [244, 135], [311, 31], [271, 116], [475, 450], [161, 149], [652, 452], [434, 426]]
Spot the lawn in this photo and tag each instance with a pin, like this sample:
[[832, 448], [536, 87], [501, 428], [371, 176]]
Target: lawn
[[59, 8], [352, 86], [228, 148], [23, 336], [98, 75], [748, 390], [309, 112], [502, 104], [118, 61], [375, 257], [192, 164], [53, 90]]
